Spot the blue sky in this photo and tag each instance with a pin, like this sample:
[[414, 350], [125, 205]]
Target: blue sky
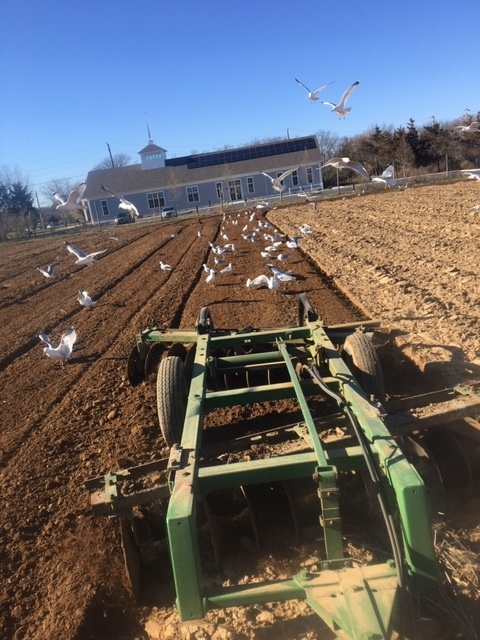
[[76, 76]]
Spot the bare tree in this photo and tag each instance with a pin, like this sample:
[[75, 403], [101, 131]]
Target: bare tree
[[328, 144], [119, 160]]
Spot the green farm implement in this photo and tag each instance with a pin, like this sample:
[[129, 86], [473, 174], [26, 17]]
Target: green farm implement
[[339, 438]]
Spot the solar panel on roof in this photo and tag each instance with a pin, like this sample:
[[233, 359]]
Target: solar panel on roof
[[248, 153]]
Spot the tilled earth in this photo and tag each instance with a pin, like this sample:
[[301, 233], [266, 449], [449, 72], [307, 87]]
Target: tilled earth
[[406, 257]]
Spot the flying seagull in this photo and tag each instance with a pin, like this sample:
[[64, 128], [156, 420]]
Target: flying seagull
[[124, 203], [49, 272], [473, 127], [277, 182], [386, 177], [340, 108], [83, 258], [73, 200], [85, 300], [312, 95], [64, 349], [346, 163], [471, 175]]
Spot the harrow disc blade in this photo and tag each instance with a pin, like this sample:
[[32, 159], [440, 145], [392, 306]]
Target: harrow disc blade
[[135, 368]]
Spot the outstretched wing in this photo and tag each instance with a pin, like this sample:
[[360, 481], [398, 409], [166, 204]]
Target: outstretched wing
[[321, 88], [66, 342], [388, 173], [44, 338], [301, 83], [266, 175], [112, 193], [60, 197], [359, 168], [75, 195], [348, 93], [285, 174], [75, 250]]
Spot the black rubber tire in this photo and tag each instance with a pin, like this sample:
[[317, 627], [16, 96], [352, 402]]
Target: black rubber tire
[[172, 398], [361, 358]]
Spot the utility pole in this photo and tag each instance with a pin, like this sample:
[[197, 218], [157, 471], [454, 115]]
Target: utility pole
[[39, 211], [111, 157]]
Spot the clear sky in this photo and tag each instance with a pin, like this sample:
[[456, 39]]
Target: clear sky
[[75, 76]]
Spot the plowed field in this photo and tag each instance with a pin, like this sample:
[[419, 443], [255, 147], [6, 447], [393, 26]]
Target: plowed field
[[405, 257]]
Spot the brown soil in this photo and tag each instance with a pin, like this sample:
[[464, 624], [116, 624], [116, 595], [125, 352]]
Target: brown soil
[[406, 257]]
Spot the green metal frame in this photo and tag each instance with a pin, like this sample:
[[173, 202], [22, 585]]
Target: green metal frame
[[358, 601]]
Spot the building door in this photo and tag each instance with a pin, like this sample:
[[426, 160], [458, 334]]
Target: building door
[[235, 190]]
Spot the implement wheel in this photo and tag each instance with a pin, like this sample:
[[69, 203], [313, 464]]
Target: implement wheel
[[361, 358], [171, 398]]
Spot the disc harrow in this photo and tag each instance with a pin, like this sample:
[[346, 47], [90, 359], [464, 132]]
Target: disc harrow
[[267, 480]]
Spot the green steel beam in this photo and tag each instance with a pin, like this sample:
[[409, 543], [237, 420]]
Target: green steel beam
[[403, 479], [300, 465], [181, 516]]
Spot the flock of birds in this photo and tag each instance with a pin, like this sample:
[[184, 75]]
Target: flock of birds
[[260, 232], [63, 350], [253, 231]]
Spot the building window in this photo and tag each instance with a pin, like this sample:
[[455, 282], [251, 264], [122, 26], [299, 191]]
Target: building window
[[219, 188], [309, 175], [104, 205], [192, 194], [250, 185], [235, 190], [155, 200], [295, 178]]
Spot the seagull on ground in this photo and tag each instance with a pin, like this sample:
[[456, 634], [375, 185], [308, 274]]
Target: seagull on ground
[[346, 163], [340, 108], [85, 300], [474, 208], [49, 272], [293, 242], [305, 228], [283, 276], [218, 260], [277, 182], [283, 256], [124, 203], [386, 177], [312, 95], [83, 258], [73, 200], [164, 266], [264, 205], [210, 279], [228, 269], [64, 349], [273, 283], [473, 127], [206, 268]]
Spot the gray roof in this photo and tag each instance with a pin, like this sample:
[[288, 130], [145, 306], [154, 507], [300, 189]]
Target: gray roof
[[133, 179], [151, 148]]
